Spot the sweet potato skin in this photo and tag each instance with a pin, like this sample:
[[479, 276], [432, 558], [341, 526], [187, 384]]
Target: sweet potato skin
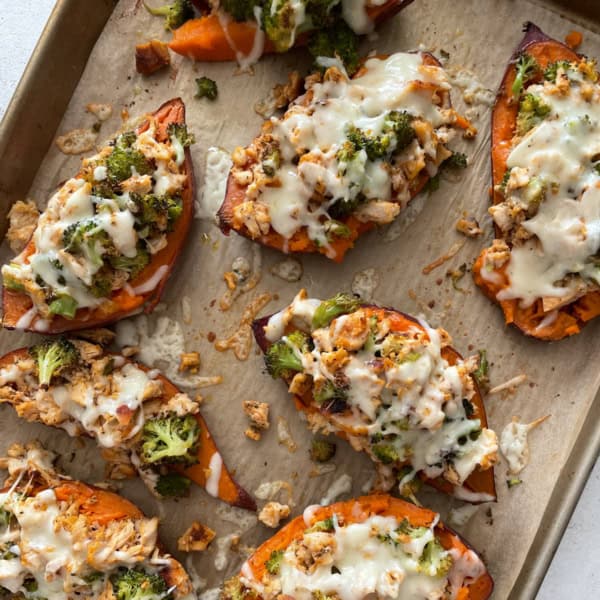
[[357, 511], [228, 490], [203, 39], [300, 242], [16, 304], [479, 482], [572, 317]]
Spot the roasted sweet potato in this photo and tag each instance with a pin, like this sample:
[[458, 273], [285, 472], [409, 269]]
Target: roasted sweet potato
[[308, 182], [77, 536], [35, 380], [550, 317], [467, 577], [210, 38], [143, 290], [371, 349]]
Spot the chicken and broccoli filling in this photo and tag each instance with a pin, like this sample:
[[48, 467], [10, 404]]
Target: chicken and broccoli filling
[[74, 385], [549, 215], [380, 557], [390, 388], [51, 549], [102, 228], [348, 149]]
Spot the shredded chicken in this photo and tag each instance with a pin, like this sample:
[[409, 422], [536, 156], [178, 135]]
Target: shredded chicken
[[273, 513], [23, 218], [151, 57], [196, 538]]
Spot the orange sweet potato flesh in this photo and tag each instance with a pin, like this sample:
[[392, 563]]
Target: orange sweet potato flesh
[[570, 318], [359, 510], [204, 39], [300, 242], [228, 489], [121, 304], [479, 482]]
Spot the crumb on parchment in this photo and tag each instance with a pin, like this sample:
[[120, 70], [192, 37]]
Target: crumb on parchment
[[273, 513], [196, 538]]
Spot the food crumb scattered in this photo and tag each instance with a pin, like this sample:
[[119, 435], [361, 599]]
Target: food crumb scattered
[[189, 362], [438, 262], [23, 217], [510, 385], [574, 39], [469, 227], [77, 141], [101, 111], [322, 450], [273, 513], [364, 284], [253, 433], [456, 275], [289, 269], [258, 413], [196, 538], [151, 57], [284, 435], [514, 444]]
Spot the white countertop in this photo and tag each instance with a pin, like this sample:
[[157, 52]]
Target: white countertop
[[575, 571]]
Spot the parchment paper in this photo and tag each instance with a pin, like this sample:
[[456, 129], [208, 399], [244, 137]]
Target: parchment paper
[[562, 377]]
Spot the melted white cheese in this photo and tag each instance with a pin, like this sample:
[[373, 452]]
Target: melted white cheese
[[216, 172]]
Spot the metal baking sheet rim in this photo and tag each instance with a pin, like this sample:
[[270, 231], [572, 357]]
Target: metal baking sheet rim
[[14, 183]]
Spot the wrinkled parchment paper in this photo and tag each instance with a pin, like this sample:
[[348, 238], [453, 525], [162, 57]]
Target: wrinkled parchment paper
[[562, 378]]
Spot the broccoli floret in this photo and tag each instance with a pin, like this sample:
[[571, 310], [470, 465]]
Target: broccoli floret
[[102, 284], [336, 41], [481, 373], [279, 23], [5, 517], [180, 132], [136, 584], [458, 160], [327, 524], [406, 528], [133, 266], [156, 213], [526, 69], [328, 310], [400, 124], [173, 484], [344, 207], [53, 356], [240, 10], [330, 396], [12, 283], [63, 305], [435, 561], [273, 563], [322, 450], [234, 590], [124, 160], [335, 229], [176, 13], [386, 453], [281, 358], [206, 88], [532, 111], [170, 439], [513, 482], [551, 71], [87, 238]]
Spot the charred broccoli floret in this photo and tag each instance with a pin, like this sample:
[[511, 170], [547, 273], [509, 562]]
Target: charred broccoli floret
[[136, 584], [532, 110], [234, 590], [526, 69], [282, 357], [173, 484], [170, 439], [134, 265], [435, 561], [551, 71], [330, 396], [88, 239], [53, 356], [206, 88], [279, 23], [124, 160], [176, 13], [180, 132], [386, 453], [156, 213], [240, 10], [328, 310], [273, 563], [322, 450], [336, 41], [458, 160]]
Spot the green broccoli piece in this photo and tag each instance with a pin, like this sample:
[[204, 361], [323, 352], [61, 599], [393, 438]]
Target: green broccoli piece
[[526, 69], [335, 229], [328, 310], [63, 305], [180, 132], [327, 524], [483, 367], [336, 41], [53, 356], [400, 124], [234, 590], [5, 517], [136, 584], [206, 88], [102, 284], [435, 561], [458, 160], [124, 160], [551, 71], [532, 111], [281, 358], [513, 482], [596, 168], [330, 394], [87, 238], [240, 10], [406, 528], [176, 13], [279, 23], [170, 439], [386, 453], [156, 213], [319, 595], [133, 266], [273, 563], [344, 207], [173, 485], [322, 450], [12, 283]]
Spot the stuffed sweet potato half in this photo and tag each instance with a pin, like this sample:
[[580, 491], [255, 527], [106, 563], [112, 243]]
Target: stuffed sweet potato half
[[543, 267], [139, 419], [244, 30], [346, 156], [389, 384], [62, 539], [109, 237], [370, 547]]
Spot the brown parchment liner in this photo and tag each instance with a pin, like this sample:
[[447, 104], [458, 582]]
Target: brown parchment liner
[[562, 377]]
